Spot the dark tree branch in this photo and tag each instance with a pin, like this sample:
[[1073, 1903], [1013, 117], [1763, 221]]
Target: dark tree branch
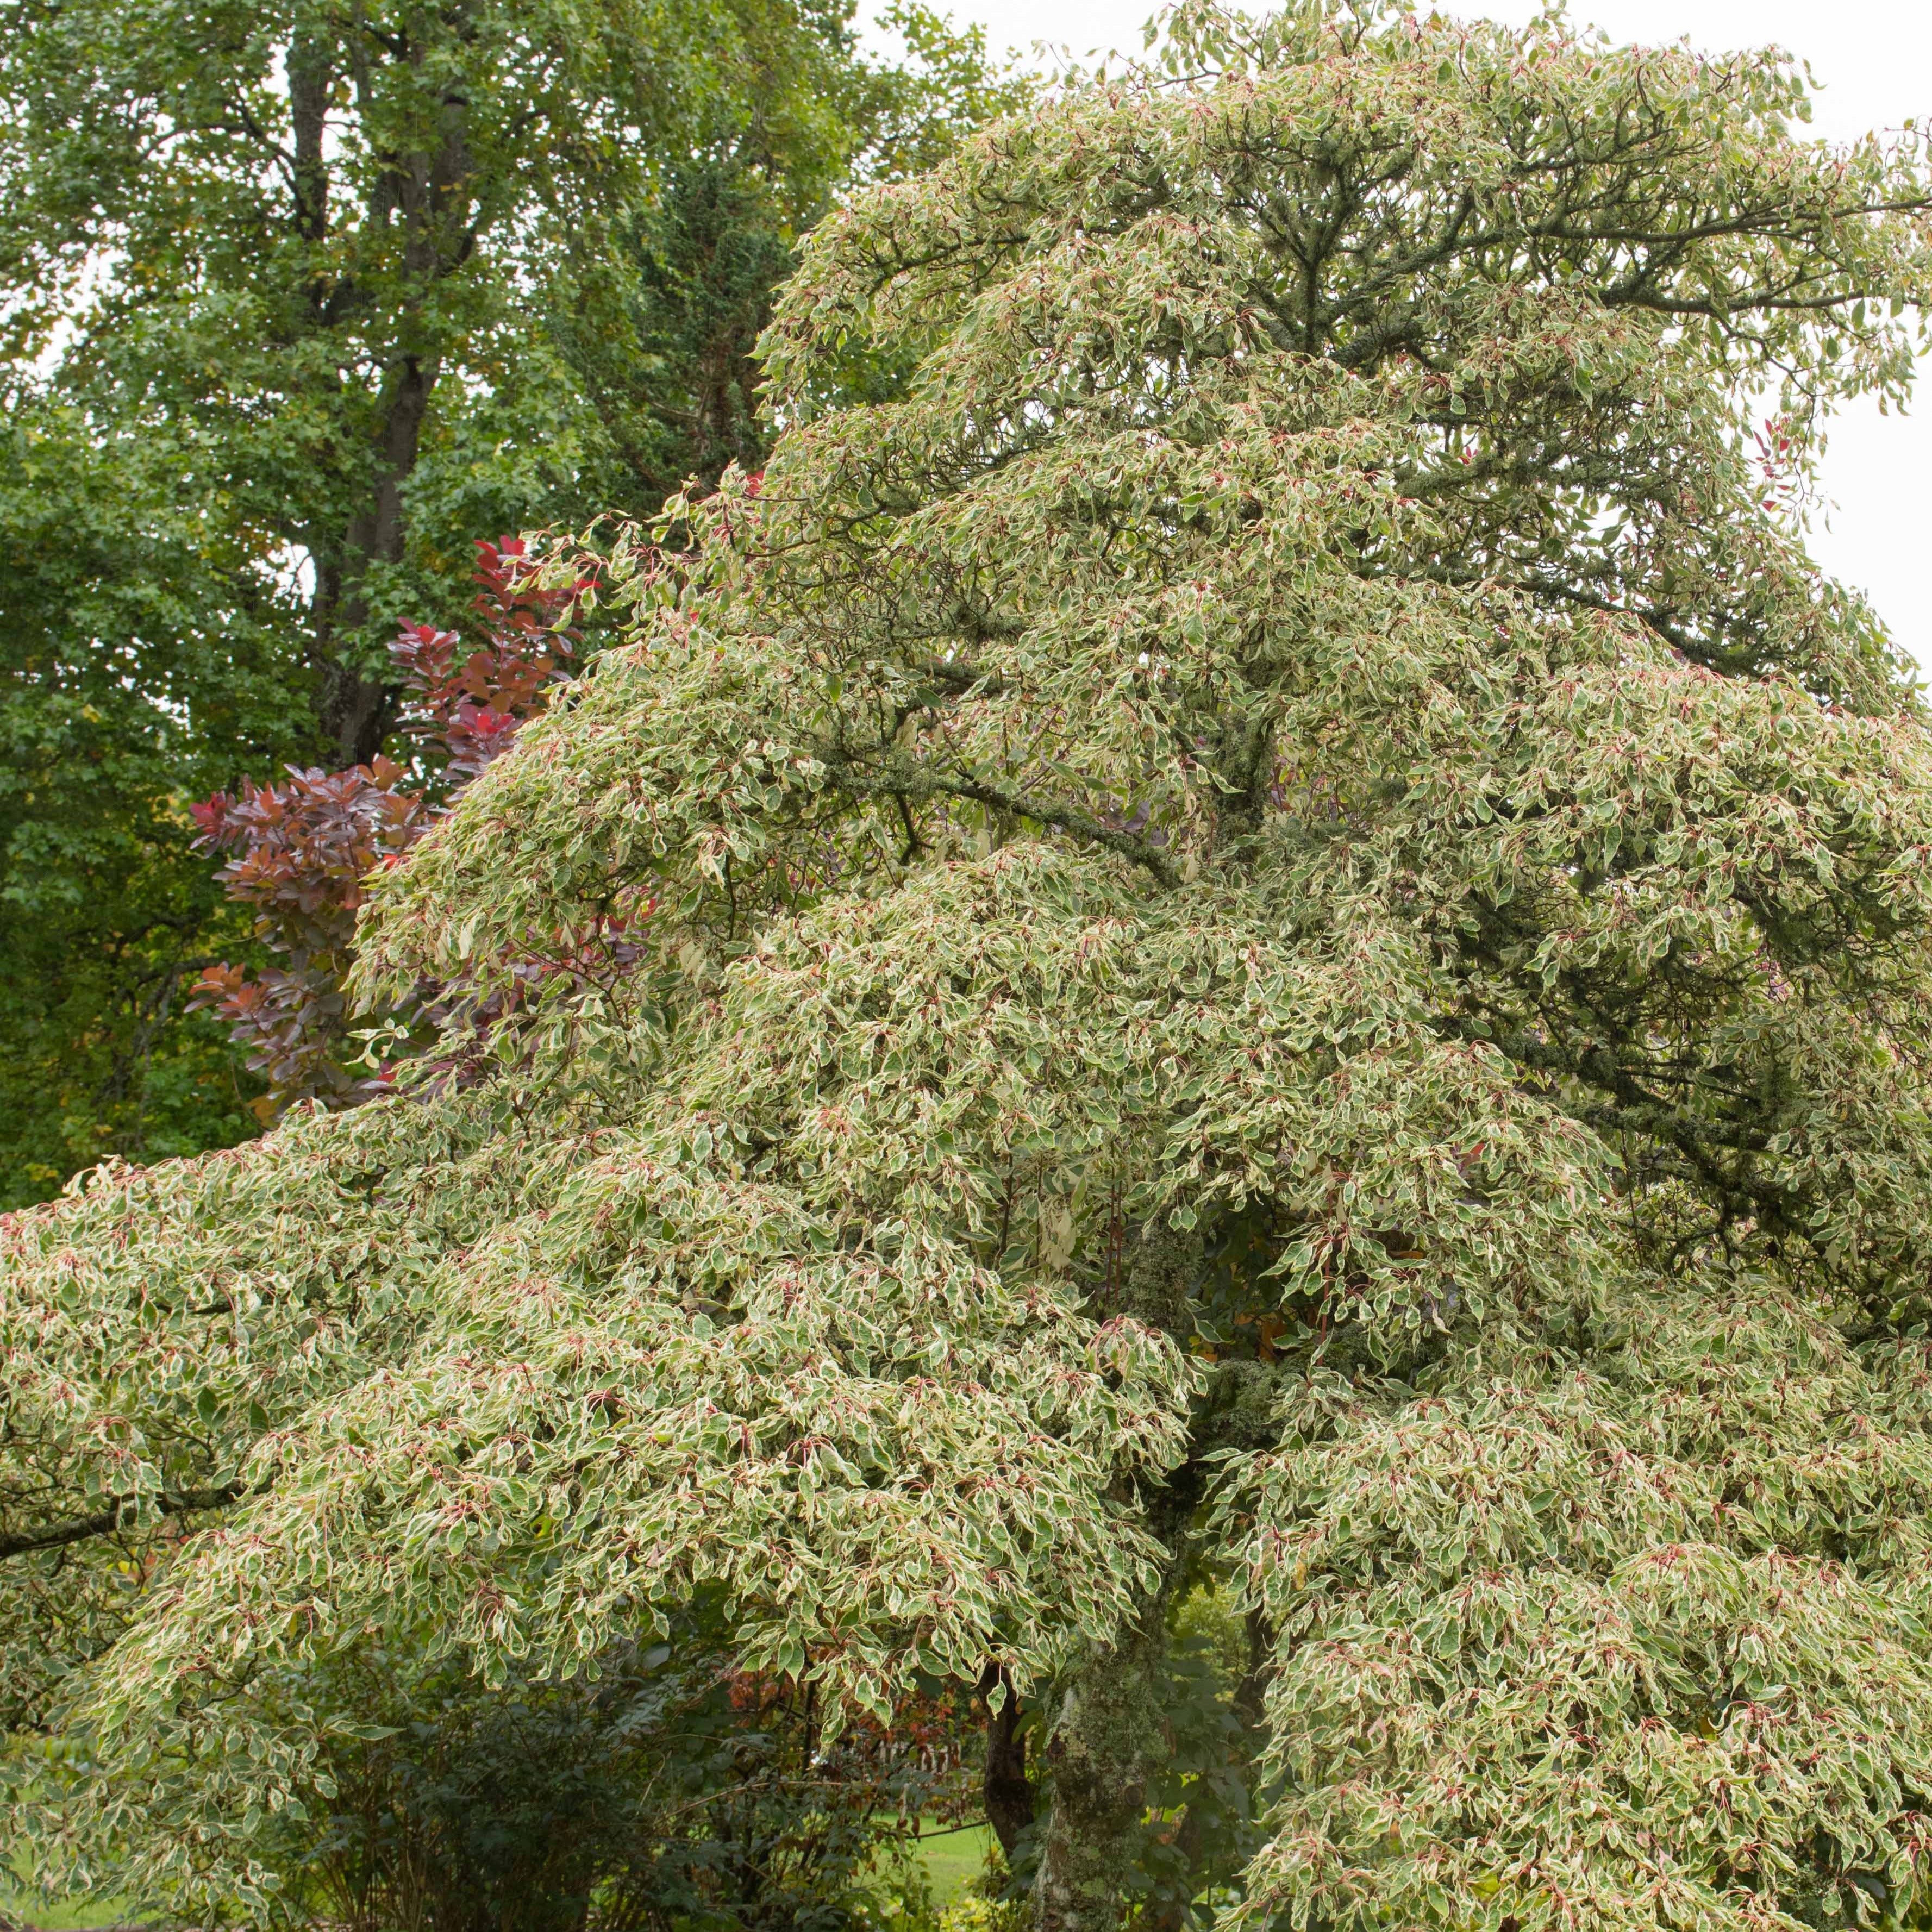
[[118, 1515], [901, 779]]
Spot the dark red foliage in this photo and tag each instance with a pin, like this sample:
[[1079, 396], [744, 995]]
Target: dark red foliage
[[468, 699], [304, 849]]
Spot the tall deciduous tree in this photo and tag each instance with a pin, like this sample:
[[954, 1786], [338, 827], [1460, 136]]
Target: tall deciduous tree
[[278, 229], [1288, 939], [300, 300], [140, 659]]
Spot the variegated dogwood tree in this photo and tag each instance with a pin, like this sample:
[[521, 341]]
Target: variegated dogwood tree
[[1275, 931]]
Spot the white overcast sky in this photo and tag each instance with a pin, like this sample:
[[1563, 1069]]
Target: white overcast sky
[[1873, 62]]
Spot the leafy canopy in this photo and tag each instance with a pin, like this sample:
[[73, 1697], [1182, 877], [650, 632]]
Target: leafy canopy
[[1283, 930]]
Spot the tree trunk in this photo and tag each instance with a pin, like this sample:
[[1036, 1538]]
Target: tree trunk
[[356, 710], [1108, 1730], [1106, 1736], [431, 192], [1009, 1792], [310, 71]]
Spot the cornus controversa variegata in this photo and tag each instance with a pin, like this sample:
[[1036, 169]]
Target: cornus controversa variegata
[[1290, 946]]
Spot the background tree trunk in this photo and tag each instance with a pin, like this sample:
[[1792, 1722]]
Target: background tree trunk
[[432, 194], [1009, 1791], [356, 710]]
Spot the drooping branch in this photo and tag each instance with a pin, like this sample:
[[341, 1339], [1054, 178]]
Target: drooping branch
[[1698, 1139]]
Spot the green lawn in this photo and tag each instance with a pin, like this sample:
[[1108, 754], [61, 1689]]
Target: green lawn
[[953, 1859], [30, 1916]]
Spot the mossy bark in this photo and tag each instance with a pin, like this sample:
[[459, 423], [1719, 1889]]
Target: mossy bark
[[1106, 1728]]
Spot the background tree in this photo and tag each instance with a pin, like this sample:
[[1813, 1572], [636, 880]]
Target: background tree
[[302, 300], [1285, 943], [141, 637], [304, 850]]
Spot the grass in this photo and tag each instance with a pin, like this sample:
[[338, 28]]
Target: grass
[[953, 1859], [30, 1915]]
